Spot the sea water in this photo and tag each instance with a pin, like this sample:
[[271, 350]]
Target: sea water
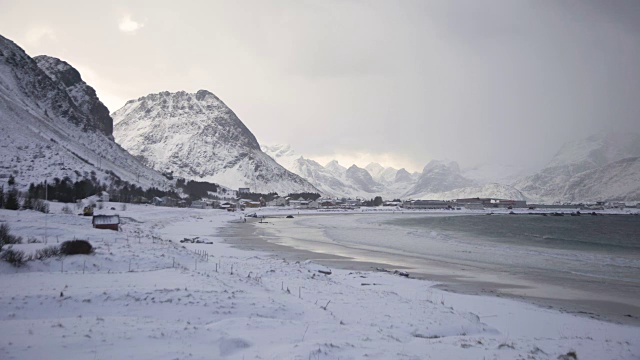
[[597, 256]]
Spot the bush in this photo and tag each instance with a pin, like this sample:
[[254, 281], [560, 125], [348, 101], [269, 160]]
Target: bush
[[13, 257], [47, 252], [76, 247], [40, 205], [67, 210], [33, 240], [6, 238]]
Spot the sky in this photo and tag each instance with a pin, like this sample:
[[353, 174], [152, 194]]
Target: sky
[[394, 82]]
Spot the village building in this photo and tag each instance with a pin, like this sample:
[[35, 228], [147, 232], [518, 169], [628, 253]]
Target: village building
[[199, 204], [111, 222], [244, 191], [482, 203], [426, 204], [327, 203], [227, 206], [277, 201], [392, 203]]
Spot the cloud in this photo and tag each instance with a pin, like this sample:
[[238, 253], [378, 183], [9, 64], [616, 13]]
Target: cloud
[[127, 24], [35, 35]]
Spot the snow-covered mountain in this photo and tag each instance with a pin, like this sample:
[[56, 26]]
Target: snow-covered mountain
[[363, 180], [438, 177], [492, 190], [616, 181], [381, 174], [580, 165], [196, 136], [323, 179], [52, 124]]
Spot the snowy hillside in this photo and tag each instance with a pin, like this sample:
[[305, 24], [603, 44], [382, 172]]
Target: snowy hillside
[[586, 170], [50, 125], [196, 136]]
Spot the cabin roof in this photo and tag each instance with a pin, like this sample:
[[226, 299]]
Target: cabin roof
[[106, 219]]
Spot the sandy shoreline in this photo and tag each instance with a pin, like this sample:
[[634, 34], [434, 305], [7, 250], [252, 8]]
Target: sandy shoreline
[[458, 278]]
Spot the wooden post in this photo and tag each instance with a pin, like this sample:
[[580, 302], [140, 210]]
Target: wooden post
[[83, 265]]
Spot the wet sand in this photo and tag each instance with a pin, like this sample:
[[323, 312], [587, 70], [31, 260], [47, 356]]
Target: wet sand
[[454, 277]]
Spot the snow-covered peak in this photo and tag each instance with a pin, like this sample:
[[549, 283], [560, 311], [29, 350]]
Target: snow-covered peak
[[335, 168], [374, 169], [198, 137]]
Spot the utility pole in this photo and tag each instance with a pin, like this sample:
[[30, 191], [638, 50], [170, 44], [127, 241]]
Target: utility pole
[[46, 214]]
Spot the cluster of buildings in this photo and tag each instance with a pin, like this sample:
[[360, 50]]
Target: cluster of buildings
[[468, 203], [348, 203]]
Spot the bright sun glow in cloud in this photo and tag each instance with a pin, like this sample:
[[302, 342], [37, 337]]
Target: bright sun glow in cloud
[[127, 24]]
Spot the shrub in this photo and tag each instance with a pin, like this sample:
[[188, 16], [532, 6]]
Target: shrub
[[40, 205], [33, 240], [76, 247], [47, 252], [13, 257], [67, 210], [6, 238]]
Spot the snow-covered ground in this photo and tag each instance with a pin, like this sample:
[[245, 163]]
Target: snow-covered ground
[[144, 295]]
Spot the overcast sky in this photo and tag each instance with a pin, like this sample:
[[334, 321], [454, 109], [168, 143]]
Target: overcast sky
[[397, 82]]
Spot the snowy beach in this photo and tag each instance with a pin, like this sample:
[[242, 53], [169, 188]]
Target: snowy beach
[[143, 294], [597, 279]]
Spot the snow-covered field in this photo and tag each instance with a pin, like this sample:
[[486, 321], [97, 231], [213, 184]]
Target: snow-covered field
[[144, 295]]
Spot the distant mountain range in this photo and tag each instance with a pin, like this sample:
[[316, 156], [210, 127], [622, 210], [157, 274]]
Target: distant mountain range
[[603, 167], [196, 136], [52, 125], [438, 180]]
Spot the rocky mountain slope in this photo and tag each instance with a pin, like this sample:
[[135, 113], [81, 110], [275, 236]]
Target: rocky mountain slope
[[82, 95], [52, 124], [196, 136]]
